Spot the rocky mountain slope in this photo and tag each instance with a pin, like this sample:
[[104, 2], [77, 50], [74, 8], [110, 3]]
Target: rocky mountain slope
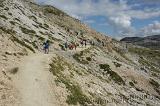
[[113, 74], [152, 42]]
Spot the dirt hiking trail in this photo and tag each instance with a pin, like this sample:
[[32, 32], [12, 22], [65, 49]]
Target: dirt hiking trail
[[33, 81]]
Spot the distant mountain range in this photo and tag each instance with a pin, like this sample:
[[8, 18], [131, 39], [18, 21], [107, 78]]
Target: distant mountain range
[[104, 73], [149, 41]]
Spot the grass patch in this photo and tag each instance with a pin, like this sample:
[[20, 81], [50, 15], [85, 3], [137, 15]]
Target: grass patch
[[14, 39], [4, 17], [9, 31], [105, 67], [131, 84], [117, 64], [33, 18], [34, 45], [40, 38], [75, 92], [113, 75], [148, 64], [27, 31], [122, 54], [155, 85], [13, 23], [17, 19], [6, 8], [10, 14], [52, 10], [150, 55], [46, 25], [145, 51], [1, 4], [14, 70], [89, 58], [78, 57], [98, 100]]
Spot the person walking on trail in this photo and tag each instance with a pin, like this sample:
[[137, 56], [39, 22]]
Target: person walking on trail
[[75, 45], [66, 45], [85, 43], [103, 43], [46, 47], [81, 43]]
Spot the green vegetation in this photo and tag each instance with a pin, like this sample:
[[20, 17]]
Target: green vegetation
[[78, 58], [131, 84], [113, 75], [14, 39], [12, 22], [122, 53], [6, 8], [4, 17], [7, 53], [27, 31], [41, 26], [75, 93], [154, 83], [34, 45], [46, 25], [40, 38], [14, 70], [17, 19], [33, 18], [148, 58], [9, 31], [98, 100], [148, 64], [117, 64], [89, 58], [145, 52], [54, 11], [105, 67], [1, 3], [10, 14]]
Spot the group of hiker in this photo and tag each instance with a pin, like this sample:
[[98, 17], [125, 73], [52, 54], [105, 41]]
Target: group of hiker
[[67, 45], [72, 45]]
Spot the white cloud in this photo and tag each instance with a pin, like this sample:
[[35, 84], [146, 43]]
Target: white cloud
[[89, 21], [121, 21], [119, 13], [151, 29]]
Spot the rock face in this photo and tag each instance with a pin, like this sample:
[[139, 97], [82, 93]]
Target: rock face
[[149, 41], [112, 73]]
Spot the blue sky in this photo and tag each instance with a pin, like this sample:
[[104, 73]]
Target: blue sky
[[116, 18]]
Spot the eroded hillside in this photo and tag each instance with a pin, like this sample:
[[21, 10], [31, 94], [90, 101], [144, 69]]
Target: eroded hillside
[[109, 74]]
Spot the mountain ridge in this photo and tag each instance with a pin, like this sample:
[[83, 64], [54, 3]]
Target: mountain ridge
[[107, 72], [149, 41]]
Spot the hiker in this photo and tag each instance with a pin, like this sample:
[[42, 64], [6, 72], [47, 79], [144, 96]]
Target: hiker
[[85, 43], [81, 43], [75, 45], [71, 46], [103, 43], [46, 47], [92, 42], [66, 45]]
